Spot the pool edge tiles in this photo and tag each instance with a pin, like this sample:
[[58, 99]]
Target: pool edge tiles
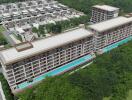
[[115, 45], [58, 70]]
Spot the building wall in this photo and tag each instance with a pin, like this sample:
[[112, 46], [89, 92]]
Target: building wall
[[111, 36], [99, 15], [29, 68], [32, 67]]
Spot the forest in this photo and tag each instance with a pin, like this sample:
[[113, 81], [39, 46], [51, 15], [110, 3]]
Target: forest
[[85, 5], [110, 75]]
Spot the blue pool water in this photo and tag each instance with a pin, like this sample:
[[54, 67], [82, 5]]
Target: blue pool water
[[115, 45], [57, 71]]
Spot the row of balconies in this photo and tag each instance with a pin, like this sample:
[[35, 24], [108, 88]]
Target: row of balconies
[[59, 59]]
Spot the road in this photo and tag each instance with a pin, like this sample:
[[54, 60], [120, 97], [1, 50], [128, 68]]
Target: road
[[0, 96]]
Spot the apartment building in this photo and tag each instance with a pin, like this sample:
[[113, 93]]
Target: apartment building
[[111, 31], [103, 12], [26, 61]]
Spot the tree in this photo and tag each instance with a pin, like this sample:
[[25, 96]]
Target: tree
[[57, 28], [35, 30], [42, 30]]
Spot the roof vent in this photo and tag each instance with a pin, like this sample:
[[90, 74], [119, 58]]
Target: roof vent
[[23, 46]]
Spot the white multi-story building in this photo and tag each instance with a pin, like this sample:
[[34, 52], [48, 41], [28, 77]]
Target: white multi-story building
[[27, 61], [111, 31], [103, 12]]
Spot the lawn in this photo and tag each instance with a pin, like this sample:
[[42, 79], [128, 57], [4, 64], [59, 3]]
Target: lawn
[[106, 98], [129, 95], [3, 40], [1, 29], [128, 98]]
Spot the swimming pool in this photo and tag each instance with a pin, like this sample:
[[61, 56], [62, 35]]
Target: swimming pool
[[57, 71], [115, 45]]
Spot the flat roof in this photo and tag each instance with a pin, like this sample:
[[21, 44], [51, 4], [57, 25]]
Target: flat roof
[[32, 10], [6, 15], [24, 11], [20, 30], [16, 13], [109, 24], [106, 7], [12, 55]]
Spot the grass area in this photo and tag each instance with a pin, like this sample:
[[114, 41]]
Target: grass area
[[3, 40], [128, 98], [2, 29], [129, 95], [106, 98], [18, 37]]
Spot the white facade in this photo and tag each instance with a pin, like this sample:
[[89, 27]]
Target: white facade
[[103, 12], [111, 31], [50, 53], [45, 55]]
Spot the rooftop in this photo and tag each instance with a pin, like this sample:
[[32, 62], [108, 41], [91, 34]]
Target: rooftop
[[106, 7], [109, 24], [11, 55]]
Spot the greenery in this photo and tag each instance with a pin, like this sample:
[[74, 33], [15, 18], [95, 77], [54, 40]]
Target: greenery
[[2, 38], [6, 88], [110, 76], [9, 1], [85, 5], [129, 95], [60, 26]]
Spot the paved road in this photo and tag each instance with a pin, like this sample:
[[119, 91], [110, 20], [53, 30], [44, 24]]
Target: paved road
[[1, 97]]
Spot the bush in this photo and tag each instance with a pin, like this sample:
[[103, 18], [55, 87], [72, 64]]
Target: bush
[[6, 88]]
